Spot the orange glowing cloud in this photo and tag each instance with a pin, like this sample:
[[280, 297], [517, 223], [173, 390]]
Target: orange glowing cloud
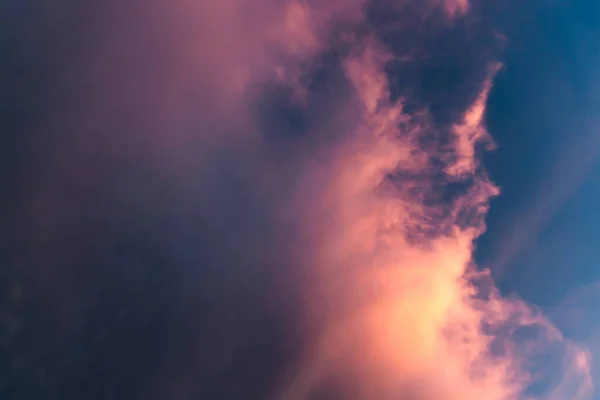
[[396, 318]]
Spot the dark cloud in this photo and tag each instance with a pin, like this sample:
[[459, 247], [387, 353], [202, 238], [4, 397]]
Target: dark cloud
[[199, 195]]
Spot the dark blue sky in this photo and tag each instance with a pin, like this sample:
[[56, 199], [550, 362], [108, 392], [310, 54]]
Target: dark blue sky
[[542, 113]]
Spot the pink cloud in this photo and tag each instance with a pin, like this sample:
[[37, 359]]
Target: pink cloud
[[389, 311]]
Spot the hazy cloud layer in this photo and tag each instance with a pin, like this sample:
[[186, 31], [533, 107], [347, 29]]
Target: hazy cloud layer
[[259, 199]]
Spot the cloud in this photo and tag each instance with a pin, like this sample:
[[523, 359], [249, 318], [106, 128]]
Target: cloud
[[576, 317], [240, 200], [398, 317]]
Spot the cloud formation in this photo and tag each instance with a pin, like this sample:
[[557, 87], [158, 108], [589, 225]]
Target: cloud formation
[[244, 199]]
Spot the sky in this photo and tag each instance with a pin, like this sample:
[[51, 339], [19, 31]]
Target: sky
[[542, 109], [299, 200]]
